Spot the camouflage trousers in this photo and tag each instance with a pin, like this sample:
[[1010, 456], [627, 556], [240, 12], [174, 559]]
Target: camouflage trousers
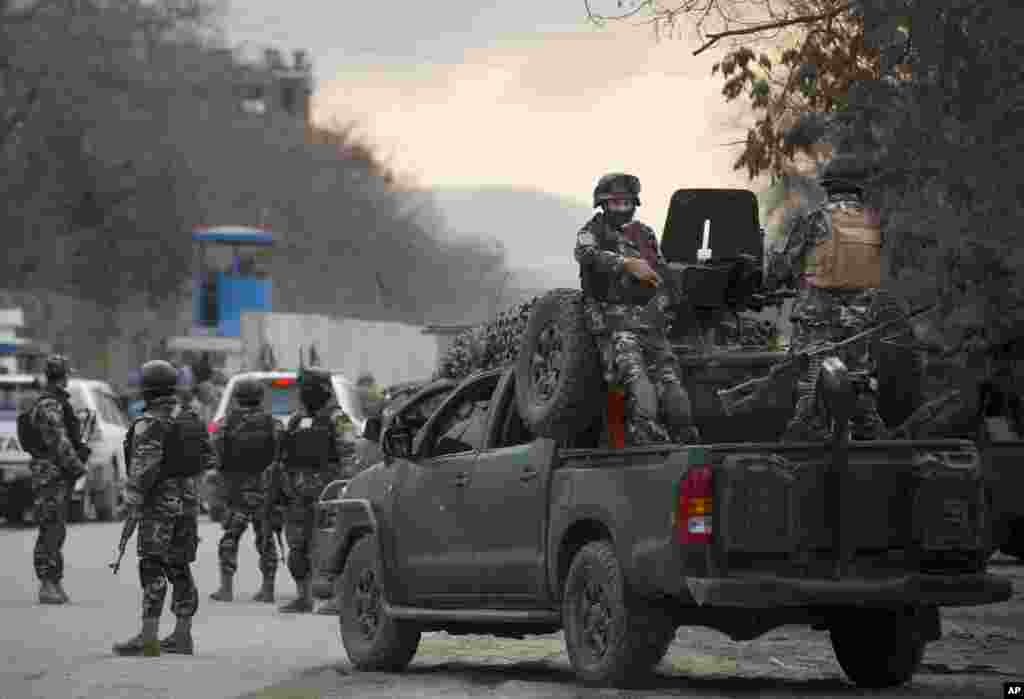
[[48, 555], [298, 532], [167, 547], [821, 316], [236, 521], [643, 363]]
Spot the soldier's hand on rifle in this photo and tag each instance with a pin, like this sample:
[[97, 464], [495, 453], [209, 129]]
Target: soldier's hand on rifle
[[84, 453], [639, 268]]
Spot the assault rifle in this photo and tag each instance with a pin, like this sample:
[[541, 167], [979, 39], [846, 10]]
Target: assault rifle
[[126, 534], [746, 391]]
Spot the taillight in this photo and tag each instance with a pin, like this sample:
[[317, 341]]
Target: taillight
[[694, 502], [616, 418], [213, 426]]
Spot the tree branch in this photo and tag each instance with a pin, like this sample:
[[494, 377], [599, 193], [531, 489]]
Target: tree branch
[[756, 29]]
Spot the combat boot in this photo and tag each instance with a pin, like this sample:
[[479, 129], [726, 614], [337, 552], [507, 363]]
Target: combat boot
[[49, 594], [266, 593], [303, 602], [329, 607], [226, 593], [179, 642], [62, 592], [145, 643]]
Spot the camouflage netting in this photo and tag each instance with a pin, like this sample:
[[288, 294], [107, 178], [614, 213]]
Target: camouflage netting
[[488, 346]]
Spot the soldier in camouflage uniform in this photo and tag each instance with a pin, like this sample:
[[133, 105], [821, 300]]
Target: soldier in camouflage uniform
[[820, 314], [246, 445], [618, 257], [54, 469], [168, 448], [314, 451]]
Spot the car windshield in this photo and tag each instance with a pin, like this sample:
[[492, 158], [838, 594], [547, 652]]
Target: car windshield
[[16, 396]]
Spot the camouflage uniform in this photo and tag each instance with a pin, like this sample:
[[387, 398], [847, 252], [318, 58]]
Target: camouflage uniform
[[53, 474], [823, 315], [298, 490], [244, 497], [630, 338], [168, 509]]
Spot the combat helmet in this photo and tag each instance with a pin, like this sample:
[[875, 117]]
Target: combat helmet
[[249, 392], [158, 378], [847, 172], [57, 368], [617, 185], [314, 386]]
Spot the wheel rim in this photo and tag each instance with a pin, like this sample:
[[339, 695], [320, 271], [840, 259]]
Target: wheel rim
[[596, 616], [547, 361], [367, 604]]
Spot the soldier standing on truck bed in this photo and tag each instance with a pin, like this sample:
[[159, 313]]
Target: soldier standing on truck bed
[[833, 254], [247, 445], [168, 448], [50, 432], [614, 252], [314, 452]]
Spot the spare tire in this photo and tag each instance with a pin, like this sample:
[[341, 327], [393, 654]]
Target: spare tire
[[558, 374], [900, 373]]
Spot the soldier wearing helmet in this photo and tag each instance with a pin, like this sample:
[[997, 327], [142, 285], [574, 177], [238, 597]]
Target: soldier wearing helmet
[[167, 448], [246, 446], [832, 255], [618, 258], [316, 448], [52, 436]]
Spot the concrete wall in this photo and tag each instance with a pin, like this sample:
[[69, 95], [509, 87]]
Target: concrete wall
[[392, 352]]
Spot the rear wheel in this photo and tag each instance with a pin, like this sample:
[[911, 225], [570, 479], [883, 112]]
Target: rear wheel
[[1014, 545], [877, 649], [612, 637], [373, 640]]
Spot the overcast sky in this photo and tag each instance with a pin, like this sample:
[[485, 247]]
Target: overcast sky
[[522, 93]]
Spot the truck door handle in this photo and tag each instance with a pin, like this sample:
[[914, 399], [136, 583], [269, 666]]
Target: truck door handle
[[528, 474], [461, 480]]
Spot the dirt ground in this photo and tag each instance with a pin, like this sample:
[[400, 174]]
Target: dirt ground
[[981, 648]]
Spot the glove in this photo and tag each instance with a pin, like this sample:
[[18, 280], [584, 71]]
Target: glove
[[639, 268]]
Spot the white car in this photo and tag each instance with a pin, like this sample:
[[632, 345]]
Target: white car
[[96, 494], [281, 399]]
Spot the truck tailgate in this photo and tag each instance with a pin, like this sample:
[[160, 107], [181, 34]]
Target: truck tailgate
[[895, 507]]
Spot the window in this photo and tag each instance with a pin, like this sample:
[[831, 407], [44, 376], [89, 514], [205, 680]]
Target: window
[[109, 410], [461, 427]]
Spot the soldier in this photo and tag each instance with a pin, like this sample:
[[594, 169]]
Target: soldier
[[246, 446], [615, 253], [168, 447], [837, 287], [314, 451], [53, 439]]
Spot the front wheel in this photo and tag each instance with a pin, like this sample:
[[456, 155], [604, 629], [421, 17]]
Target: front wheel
[[878, 649], [612, 637], [373, 640]]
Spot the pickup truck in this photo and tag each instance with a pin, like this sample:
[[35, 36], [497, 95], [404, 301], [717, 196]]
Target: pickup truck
[[471, 524]]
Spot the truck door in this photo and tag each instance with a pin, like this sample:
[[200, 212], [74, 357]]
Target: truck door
[[508, 498], [431, 511]]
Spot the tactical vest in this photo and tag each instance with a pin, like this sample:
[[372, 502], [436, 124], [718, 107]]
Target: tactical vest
[[249, 444], [631, 242], [28, 430], [850, 257], [182, 436], [311, 448]]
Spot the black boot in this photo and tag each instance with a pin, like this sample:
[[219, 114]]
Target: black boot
[[226, 593], [179, 642], [145, 644], [49, 594], [266, 593], [303, 602]]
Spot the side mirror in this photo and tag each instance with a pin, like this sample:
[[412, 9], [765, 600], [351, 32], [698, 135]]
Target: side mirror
[[372, 429], [396, 442]]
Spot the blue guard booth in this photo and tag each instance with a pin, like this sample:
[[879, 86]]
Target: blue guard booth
[[232, 276]]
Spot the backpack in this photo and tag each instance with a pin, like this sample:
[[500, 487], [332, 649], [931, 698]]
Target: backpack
[[249, 443], [28, 432], [311, 448], [183, 437]]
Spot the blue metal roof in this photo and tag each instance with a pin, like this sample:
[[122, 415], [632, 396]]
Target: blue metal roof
[[237, 235]]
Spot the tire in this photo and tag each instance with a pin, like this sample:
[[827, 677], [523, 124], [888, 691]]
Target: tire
[[15, 515], [76, 510], [379, 643], [1014, 545], [873, 658], [900, 373], [557, 341], [636, 635]]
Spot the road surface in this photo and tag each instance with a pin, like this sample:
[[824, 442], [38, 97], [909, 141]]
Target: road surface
[[248, 649]]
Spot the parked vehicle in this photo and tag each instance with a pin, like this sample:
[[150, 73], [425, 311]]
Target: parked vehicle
[[475, 525], [17, 391], [280, 399]]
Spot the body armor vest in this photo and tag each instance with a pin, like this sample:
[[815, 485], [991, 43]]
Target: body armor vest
[[249, 445], [850, 257], [313, 447], [631, 241], [182, 436]]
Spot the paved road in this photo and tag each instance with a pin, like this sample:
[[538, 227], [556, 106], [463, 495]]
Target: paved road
[[249, 649]]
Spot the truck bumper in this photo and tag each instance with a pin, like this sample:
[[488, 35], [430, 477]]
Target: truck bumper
[[768, 591]]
